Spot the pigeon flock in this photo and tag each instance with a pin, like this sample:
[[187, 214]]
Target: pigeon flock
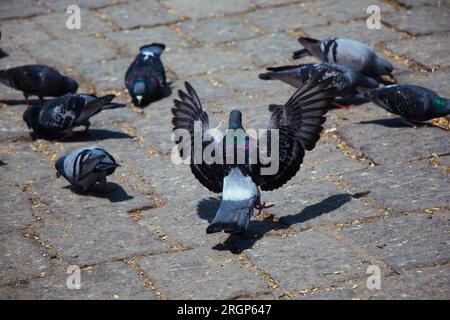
[[347, 71]]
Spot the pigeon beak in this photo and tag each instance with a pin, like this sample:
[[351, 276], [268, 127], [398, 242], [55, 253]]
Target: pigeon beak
[[139, 99]]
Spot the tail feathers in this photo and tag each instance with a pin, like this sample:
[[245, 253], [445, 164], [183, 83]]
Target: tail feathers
[[232, 217], [266, 76], [4, 77], [282, 68], [95, 107], [300, 54], [113, 105], [366, 82], [157, 48]]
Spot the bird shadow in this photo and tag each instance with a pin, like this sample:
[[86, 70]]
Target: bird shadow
[[114, 192], [2, 163], [96, 134], [3, 54], [395, 123], [17, 102], [207, 208]]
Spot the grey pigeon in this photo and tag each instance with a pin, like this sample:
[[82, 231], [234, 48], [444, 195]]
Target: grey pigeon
[[145, 79], [85, 167], [343, 78], [38, 80], [413, 103], [352, 53], [299, 123], [55, 119]]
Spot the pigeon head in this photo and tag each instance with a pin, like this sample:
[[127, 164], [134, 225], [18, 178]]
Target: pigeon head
[[139, 94], [383, 66], [235, 120], [31, 116], [59, 166], [72, 85], [155, 48]]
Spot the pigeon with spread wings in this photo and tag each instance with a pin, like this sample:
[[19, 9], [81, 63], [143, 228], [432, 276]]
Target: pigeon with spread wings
[[297, 125]]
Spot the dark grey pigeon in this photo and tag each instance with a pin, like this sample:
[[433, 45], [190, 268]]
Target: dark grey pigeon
[[413, 103], [84, 167], [352, 53], [55, 119], [299, 123], [38, 80], [146, 78], [343, 78]]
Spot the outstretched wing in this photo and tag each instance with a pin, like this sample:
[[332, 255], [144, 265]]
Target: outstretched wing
[[299, 124], [187, 111]]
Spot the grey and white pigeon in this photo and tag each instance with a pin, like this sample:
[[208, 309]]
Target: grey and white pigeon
[[84, 167], [298, 122], [38, 80], [413, 103], [352, 53], [56, 119], [145, 78], [343, 78]]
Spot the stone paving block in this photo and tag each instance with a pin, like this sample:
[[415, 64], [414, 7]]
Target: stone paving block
[[111, 281], [268, 49], [329, 262], [218, 30], [347, 10], [203, 60], [438, 81], [428, 50], [55, 24], [405, 242], [20, 9], [422, 284], [420, 20], [201, 274], [196, 9], [377, 138], [336, 294], [93, 237], [16, 213], [61, 5], [415, 3], [22, 32], [11, 121], [132, 40], [130, 15], [248, 83], [356, 30], [186, 220], [21, 258], [66, 52], [106, 75], [305, 205], [284, 18], [265, 3], [404, 187]]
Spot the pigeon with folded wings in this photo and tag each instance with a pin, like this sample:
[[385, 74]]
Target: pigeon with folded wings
[[84, 167], [296, 126], [57, 118]]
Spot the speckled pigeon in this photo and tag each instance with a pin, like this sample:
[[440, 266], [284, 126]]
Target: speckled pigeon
[[298, 122], [38, 80], [85, 167], [352, 53], [146, 78], [413, 103], [343, 78], [55, 119]]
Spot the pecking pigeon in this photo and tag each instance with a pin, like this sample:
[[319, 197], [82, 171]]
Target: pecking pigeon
[[55, 119], [413, 103], [343, 78], [86, 166], [145, 78], [298, 122], [38, 80], [352, 53]]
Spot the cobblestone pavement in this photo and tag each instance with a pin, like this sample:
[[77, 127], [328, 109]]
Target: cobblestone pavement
[[373, 192]]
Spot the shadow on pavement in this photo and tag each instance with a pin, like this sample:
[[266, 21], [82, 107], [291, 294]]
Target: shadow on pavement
[[207, 208], [114, 192], [396, 123]]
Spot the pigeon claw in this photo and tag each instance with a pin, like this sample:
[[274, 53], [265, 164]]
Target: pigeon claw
[[261, 207]]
